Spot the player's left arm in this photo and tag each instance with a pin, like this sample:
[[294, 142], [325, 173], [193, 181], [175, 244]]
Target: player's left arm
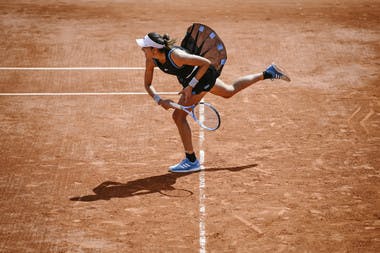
[[181, 58]]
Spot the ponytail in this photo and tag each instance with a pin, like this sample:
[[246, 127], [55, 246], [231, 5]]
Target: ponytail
[[162, 39], [169, 43]]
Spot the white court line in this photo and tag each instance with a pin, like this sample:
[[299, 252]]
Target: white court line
[[202, 182], [81, 93], [71, 68], [202, 185]]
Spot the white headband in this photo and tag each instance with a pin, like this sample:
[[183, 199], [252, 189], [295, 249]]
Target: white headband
[[148, 42]]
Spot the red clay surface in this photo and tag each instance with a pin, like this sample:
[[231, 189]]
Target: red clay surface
[[294, 167]]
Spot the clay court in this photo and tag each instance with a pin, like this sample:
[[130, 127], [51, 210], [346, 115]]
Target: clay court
[[84, 152]]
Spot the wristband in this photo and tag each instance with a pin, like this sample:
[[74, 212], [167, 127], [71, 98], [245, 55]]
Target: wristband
[[193, 82], [156, 98]]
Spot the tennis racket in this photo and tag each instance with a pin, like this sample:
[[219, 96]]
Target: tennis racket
[[203, 113]]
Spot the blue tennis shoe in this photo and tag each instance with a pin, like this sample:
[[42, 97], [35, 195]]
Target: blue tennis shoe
[[186, 166], [277, 73]]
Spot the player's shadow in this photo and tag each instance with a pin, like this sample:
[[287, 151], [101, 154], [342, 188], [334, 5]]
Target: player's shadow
[[149, 185]]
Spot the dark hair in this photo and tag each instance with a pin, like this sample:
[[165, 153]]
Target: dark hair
[[162, 39]]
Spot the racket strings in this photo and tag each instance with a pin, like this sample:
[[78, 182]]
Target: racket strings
[[208, 117]]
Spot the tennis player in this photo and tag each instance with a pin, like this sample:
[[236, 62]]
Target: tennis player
[[198, 76]]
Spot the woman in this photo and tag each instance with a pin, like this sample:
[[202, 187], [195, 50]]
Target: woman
[[198, 76]]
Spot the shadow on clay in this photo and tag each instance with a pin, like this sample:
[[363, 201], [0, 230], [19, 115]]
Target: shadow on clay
[[162, 184]]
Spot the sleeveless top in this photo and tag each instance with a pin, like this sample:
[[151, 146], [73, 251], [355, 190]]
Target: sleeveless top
[[184, 74]]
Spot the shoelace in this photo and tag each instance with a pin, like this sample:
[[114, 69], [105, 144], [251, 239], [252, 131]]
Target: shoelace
[[275, 75]]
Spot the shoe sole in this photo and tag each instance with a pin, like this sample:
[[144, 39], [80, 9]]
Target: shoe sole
[[185, 171], [284, 76]]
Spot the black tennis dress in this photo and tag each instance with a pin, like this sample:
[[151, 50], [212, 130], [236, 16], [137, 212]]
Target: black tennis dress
[[199, 40]]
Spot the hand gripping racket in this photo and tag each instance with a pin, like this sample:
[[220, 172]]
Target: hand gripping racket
[[203, 113]]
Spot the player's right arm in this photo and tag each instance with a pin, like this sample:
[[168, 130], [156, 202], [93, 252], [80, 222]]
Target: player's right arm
[[148, 78]]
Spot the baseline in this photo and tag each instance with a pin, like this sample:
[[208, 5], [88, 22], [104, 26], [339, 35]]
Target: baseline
[[81, 93], [72, 68]]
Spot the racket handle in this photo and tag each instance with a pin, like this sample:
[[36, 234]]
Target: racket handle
[[175, 105]]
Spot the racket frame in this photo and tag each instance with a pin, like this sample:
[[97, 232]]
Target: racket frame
[[190, 111]]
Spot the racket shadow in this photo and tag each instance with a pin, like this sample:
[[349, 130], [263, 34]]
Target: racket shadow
[[149, 185]]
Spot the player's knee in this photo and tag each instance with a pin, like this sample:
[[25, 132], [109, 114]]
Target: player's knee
[[228, 91], [178, 117], [228, 95]]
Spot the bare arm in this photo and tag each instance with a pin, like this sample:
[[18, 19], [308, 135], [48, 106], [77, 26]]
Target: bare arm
[[148, 78], [181, 58]]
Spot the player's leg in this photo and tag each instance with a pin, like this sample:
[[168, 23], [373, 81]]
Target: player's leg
[[180, 119], [190, 163], [228, 90]]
